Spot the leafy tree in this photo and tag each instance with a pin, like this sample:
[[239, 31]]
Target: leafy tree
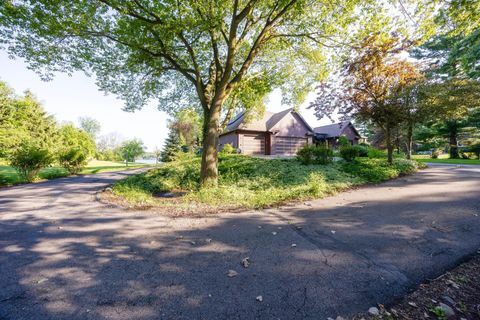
[[90, 126], [188, 125], [204, 52], [23, 120], [172, 146], [74, 138], [370, 85], [132, 149]]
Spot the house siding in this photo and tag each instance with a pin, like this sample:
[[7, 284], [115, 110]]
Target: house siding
[[231, 138], [349, 132], [289, 126]]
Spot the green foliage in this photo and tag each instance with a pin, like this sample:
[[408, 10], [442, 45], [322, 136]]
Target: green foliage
[[378, 170], [29, 159], [172, 147], [376, 154], [312, 154], [23, 120], [74, 138], [252, 182], [73, 159], [343, 141], [363, 150], [132, 149], [228, 149], [349, 152], [439, 312]]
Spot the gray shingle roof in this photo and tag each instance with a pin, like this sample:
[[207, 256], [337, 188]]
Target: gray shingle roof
[[332, 130]]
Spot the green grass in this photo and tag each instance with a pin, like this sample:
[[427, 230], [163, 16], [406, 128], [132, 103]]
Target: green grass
[[445, 159], [9, 176], [246, 182]]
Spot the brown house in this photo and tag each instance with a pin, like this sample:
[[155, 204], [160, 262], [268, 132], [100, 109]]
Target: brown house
[[329, 134], [282, 133]]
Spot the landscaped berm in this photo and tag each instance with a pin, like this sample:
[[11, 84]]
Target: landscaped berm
[[248, 182]]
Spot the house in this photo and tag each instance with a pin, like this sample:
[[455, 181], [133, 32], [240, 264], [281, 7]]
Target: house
[[329, 134], [282, 133]]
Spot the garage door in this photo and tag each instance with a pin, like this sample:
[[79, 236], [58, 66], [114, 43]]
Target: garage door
[[289, 145], [253, 144]]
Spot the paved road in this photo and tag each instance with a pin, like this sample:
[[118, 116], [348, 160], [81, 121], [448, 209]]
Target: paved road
[[65, 256]]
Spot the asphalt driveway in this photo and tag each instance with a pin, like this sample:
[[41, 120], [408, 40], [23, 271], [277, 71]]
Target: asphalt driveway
[[64, 255]]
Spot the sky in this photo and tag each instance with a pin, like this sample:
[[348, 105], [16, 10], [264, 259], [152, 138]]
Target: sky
[[70, 97]]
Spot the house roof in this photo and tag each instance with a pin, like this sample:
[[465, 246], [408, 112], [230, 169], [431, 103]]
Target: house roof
[[265, 123], [335, 129]]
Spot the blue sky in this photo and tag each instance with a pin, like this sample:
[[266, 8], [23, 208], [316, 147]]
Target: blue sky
[[70, 97]]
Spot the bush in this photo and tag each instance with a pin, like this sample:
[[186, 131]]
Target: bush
[[74, 160], [362, 150], [378, 170], [435, 154], [29, 159], [311, 154], [343, 141], [228, 149], [376, 154], [349, 153]]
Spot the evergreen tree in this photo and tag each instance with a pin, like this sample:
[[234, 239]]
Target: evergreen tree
[[172, 146]]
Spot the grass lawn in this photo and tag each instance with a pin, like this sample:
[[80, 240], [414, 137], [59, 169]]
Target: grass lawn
[[445, 159], [246, 182], [8, 175]]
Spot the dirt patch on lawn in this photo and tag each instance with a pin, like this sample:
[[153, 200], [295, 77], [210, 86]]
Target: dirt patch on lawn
[[453, 295]]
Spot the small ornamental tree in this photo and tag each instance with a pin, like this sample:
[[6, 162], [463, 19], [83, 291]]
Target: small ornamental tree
[[370, 85]]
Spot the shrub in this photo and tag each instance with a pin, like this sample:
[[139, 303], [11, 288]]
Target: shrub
[[349, 153], [311, 154], [378, 170], [228, 149], [362, 150], [435, 154], [73, 159], [343, 141], [29, 159], [376, 154]]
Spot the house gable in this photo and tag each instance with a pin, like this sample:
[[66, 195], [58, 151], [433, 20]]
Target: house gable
[[291, 125]]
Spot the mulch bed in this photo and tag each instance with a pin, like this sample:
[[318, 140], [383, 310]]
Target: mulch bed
[[453, 295]]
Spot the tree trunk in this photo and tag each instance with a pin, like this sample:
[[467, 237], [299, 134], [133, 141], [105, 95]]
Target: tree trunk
[[409, 141], [209, 169], [453, 144], [388, 137]]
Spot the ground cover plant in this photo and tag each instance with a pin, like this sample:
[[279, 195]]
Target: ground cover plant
[[249, 182]]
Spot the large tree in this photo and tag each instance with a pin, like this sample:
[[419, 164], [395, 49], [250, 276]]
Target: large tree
[[183, 52]]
